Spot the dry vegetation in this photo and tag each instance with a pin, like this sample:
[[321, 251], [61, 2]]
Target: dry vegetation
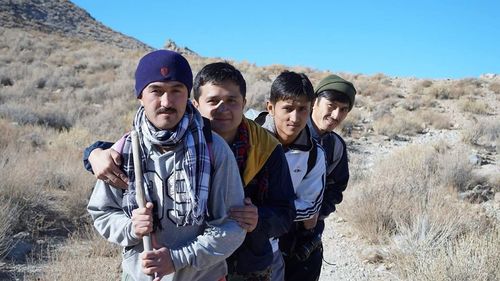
[[411, 208], [57, 95]]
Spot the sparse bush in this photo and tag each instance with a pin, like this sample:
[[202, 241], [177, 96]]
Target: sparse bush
[[495, 87], [406, 206], [6, 81], [8, 133], [438, 92], [400, 124], [419, 87], [426, 83], [23, 115], [378, 88], [381, 109], [258, 94], [475, 106], [484, 132], [455, 169], [436, 120], [411, 103], [472, 256], [353, 118], [398, 187], [9, 215]]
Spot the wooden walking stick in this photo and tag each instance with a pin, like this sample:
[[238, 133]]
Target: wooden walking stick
[[139, 187]]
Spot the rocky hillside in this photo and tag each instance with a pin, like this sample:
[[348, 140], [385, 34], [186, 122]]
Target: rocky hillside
[[62, 17]]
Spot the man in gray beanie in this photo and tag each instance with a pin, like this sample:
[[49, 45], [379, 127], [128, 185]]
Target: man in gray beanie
[[334, 100], [191, 180]]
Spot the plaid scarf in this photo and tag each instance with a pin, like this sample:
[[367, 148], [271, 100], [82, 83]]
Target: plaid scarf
[[193, 163], [240, 146]]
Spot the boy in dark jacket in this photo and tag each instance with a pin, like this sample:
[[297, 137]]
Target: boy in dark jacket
[[289, 107], [334, 100]]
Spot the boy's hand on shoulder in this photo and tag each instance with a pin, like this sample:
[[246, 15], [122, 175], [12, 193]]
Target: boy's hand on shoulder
[[106, 167], [247, 216]]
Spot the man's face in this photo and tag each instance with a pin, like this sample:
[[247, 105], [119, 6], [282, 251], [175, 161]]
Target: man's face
[[164, 103], [290, 117], [328, 114], [223, 105]]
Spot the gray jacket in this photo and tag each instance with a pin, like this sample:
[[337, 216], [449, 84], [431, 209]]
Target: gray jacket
[[198, 251]]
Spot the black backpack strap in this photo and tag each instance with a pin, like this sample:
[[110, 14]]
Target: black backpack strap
[[311, 161], [261, 118], [207, 130]]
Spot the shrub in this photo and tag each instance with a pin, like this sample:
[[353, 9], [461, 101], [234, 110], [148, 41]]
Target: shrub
[[495, 88], [472, 256], [486, 131], [436, 120], [475, 106], [353, 119], [404, 204], [398, 187], [400, 124], [419, 87], [24, 115], [9, 215], [456, 169]]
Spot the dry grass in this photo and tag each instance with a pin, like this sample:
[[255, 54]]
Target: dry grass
[[475, 106], [495, 87], [388, 195], [407, 205], [9, 215], [472, 256], [85, 254], [353, 120], [379, 87], [401, 122], [450, 89], [434, 119], [484, 131]]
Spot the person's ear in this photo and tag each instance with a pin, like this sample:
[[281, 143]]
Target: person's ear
[[196, 104], [244, 102], [270, 108]]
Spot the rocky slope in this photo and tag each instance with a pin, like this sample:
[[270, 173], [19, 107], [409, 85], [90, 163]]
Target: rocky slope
[[62, 17]]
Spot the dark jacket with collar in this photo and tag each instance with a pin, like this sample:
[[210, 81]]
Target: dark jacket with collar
[[337, 169]]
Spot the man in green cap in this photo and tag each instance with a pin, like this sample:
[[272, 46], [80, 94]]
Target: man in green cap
[[334, 100]]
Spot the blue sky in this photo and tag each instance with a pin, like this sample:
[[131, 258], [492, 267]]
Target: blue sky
[[424, 39]]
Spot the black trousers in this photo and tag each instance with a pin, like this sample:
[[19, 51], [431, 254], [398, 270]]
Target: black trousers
[[308, 270]]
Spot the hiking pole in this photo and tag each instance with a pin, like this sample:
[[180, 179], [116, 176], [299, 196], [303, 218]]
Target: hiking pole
[[139, 187]]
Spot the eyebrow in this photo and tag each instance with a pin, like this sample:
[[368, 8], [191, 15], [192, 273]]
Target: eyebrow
[[231, 95], [172, 85]]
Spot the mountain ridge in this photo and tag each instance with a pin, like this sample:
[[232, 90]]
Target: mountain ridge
[[64, 18]]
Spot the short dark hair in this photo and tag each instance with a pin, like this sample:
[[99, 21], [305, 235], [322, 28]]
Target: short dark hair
[[217, 73], [291, 85], [332, 95]]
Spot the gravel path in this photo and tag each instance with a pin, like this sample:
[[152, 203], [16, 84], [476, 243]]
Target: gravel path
[[342, 249]]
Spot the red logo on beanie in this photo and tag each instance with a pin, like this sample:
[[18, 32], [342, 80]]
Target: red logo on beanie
[[164, 71]]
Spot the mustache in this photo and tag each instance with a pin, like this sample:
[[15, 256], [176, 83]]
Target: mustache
[[166, 110]]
